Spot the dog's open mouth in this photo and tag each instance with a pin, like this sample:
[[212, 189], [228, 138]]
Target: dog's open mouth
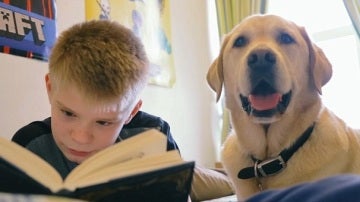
[[265, 101]]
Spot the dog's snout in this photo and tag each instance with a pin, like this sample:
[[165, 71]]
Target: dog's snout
[[261, 58], [262, 64]]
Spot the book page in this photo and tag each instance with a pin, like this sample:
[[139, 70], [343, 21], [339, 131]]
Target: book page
[[128, 168], [30, 163], [149, 142]]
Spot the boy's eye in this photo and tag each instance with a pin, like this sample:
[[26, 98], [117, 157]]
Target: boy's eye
[[104, 123], [67, 113]]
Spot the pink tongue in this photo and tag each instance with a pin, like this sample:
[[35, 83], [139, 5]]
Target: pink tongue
[[264, 102]]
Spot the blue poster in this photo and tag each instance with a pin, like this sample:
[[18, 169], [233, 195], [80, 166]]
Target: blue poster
[[27, 28]]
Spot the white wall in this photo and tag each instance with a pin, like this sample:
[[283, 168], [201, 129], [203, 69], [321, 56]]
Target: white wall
[[187, 106]]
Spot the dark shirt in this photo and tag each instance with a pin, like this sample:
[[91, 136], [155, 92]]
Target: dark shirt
[[45, 147]]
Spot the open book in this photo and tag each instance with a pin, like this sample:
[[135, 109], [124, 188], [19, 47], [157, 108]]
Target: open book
[[138, 167]]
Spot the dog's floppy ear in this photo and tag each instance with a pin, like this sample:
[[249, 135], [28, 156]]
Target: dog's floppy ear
[[215, 74], [320, 67]]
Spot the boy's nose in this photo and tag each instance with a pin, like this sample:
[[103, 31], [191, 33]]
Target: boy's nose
[[82, 136]]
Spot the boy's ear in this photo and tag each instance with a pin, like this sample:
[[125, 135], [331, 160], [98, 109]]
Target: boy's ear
[[48, 85], [134, 111]]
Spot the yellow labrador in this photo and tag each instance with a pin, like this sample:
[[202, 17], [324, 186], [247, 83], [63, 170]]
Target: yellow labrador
[[272, 75]]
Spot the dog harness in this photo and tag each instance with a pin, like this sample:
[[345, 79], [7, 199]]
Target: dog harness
[[272, 166]]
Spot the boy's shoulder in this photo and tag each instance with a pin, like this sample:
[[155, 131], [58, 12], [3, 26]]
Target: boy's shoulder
[[31, 131], [144, 119]]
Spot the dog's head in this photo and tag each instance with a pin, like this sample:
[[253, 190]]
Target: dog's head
[[264, 63]]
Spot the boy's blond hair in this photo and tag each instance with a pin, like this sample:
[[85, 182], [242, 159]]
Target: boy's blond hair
[[102, 58]]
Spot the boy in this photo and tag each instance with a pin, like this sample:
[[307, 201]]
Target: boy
[[97, 70]]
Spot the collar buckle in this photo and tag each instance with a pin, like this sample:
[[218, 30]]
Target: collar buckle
[[271, 166]]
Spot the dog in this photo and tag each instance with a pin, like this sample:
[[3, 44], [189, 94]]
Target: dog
[[282, 134]]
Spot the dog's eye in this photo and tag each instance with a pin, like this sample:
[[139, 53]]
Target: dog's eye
[[240, 42], [286, 38]]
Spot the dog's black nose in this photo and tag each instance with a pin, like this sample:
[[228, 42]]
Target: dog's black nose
[[261, 63], [261, 58]]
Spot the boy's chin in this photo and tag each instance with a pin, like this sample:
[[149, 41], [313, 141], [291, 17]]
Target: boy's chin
[[77, 157]]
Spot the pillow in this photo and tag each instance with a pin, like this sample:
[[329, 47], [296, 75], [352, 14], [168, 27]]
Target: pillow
[[209, 184]]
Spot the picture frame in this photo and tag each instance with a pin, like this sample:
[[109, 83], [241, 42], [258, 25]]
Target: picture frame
[[150, 21]]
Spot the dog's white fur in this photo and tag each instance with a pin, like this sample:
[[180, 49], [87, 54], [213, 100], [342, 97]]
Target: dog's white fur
[[302, 68]]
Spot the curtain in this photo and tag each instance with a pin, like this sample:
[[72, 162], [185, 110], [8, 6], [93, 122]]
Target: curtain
[[353, 9], [230, 13]]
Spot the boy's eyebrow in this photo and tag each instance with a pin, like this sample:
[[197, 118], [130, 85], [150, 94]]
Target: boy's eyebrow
[[113, 118], [108, 119], [63, 106]]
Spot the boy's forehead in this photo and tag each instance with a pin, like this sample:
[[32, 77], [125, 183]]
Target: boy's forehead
[[107, 108], [72, 96], [120, 104], [110, 108], [117, 106]]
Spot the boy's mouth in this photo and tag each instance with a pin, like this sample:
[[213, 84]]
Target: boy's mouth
[[78, 153]]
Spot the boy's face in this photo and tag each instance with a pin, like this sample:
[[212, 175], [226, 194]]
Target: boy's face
[[82, 128]]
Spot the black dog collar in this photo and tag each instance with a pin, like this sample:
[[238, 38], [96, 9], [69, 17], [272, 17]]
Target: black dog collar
[[274, 165]]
